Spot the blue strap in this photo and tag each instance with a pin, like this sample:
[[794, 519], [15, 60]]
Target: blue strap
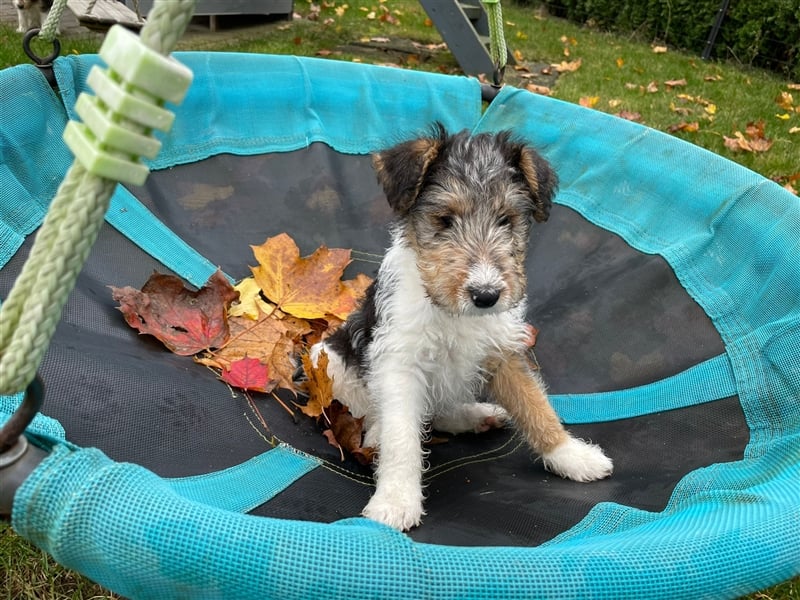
[[243, 487], [135, 221], [710, 380]]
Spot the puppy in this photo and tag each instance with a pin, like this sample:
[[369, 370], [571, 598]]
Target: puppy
[[31, 14], [443, 324]]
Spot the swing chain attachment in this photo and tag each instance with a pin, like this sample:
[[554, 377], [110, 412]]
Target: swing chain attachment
[[45, 63], [118, 122], [18, 457]]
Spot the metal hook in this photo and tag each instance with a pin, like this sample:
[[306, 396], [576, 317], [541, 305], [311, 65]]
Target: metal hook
[[45, 63], [22, 417], [18, 457]]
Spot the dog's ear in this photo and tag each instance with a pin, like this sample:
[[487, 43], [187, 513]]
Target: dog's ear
[[402, 168], [541, 180]]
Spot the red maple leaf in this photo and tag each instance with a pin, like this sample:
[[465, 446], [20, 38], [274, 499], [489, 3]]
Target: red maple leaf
[[248, 374], [185, 321]]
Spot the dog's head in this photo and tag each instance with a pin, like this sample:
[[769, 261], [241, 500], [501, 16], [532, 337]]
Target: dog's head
[[466, 204]]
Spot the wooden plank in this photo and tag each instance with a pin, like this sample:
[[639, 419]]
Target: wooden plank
[[104, 14]]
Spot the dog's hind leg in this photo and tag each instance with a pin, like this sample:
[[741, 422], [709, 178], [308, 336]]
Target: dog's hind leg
[[519, 389]]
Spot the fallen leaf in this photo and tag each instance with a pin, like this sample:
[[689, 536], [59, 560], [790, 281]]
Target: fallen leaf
[[659, 49], [248, 374], [250, 304], [620, 62], [318, 385], [675, 83], [270, 340], [711, 109], [542, 90], [693, 127], [652, 87], [567, 66], [589, 101], [794, 130], [630, 115], [346, 433], [712, 78], [185, 321], [785, 100], [784, 116], [307, 287]]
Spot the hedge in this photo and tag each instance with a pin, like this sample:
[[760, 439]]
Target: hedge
[[764, 33]]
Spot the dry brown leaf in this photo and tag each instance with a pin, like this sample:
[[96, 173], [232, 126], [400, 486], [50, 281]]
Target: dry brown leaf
[[692, 127]]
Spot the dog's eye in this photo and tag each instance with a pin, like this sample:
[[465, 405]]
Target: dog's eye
[[445, 221], [504, 221]]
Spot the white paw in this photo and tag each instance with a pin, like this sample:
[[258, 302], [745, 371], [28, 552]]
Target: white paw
[[400, 511], [493, 417], [578, 460], [473, 416]]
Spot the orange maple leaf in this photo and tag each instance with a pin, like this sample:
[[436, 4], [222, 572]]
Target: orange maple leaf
[[318, 385], [310, 287]]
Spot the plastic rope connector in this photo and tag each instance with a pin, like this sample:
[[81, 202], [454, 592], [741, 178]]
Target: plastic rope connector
[[117, 123]]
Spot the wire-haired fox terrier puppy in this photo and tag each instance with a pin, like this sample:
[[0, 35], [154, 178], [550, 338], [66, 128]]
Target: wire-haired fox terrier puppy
[[443, 324]]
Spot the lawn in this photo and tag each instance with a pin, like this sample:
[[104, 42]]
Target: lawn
[[747, 115]]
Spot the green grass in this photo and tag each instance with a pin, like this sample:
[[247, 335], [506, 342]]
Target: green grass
[[616, 70]]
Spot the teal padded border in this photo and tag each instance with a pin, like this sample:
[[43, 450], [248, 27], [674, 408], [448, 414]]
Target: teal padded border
[[245, 486]]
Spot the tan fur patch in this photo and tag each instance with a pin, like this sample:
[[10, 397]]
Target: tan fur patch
[[518, 389]]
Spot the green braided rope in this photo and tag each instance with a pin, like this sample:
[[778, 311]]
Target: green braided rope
[[49, 28], [497, 40], [32, 310]]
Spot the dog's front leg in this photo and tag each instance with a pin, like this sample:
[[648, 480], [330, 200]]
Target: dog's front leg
[[520, 390], [398, 396]]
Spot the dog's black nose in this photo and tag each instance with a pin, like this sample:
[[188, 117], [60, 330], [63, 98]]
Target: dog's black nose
[[483, 298]]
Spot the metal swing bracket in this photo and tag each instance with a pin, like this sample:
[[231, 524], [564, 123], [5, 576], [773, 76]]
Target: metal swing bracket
[[18, 457]]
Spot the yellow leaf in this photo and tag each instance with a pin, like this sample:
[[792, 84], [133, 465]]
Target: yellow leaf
[[794, 130], [659, 49], [785, 100], [250, 303], [589, 101], [620, 62], [784, 116], [710, 109]]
